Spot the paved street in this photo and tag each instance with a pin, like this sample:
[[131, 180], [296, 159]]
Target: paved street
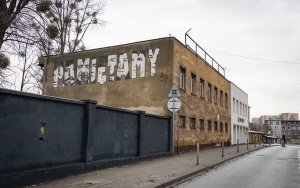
[[158, 172], [271, 167]]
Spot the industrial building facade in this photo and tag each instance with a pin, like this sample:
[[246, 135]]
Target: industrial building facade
[[239, 115], [139, 76]]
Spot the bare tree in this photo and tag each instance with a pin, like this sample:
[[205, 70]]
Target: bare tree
[[66, 22], [51, 26], [9, 19]]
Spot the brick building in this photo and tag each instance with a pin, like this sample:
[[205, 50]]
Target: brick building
[[139, 76]]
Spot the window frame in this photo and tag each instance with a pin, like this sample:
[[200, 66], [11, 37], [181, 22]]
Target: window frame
[[202, 86], [180, 120], [202, 126], [194, 123], [182, 78], [209, 92], [193, 83], [215, 95]]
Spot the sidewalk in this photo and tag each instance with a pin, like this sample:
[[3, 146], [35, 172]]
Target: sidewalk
[[159, 172]]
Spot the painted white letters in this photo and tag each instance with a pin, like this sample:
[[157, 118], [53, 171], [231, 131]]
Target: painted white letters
[[108, 67], [138, 61], [153, 58]]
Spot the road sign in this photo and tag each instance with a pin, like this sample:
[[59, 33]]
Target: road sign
[[174, 104], [174, 92]]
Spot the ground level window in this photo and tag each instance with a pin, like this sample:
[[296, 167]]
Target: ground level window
[[202, 124], [193, 123], [209, 125], [216, 126], [181, 121]]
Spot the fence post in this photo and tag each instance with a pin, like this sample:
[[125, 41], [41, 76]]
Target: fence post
[[172, 136], [198, 153], [247, 144], [140, 126], [222, 148], [89, 123], [237, 146]]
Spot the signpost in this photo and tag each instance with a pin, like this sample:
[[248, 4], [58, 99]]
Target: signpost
[[173, 105]]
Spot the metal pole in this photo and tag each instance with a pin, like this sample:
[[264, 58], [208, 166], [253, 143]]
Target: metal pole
[[222, 148], [173, 123], [237, 145], [247, 144], [198, 153]]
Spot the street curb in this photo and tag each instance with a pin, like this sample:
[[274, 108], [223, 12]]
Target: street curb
[[194, 174]]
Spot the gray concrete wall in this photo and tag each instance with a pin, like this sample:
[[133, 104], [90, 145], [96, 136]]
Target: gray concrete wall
[[40, 131]]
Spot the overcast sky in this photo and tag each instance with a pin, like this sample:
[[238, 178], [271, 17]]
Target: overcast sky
[[227, 29]]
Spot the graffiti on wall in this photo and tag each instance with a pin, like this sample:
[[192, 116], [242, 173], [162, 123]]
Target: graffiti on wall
[[103, 68]]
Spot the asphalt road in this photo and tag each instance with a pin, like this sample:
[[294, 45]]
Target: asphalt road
[[270, 167]]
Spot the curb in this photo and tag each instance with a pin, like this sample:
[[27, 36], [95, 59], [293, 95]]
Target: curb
[[196, 173]]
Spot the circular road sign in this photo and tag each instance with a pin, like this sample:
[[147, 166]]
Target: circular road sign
[[174, 104]]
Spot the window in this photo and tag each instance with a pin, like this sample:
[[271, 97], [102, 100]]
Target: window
[[221, 97], [243, 112], [193, 82], [233, 104], [193, 123], [237, 106], [201, 88], [277, 123], [271, 123], [283, 127], [226, 100], [216, 95], [181, 121], [209, 92], [240, 107], [226, 127], [202, 124], [216, 126], [221, 126], [182, 78], [209, 125]]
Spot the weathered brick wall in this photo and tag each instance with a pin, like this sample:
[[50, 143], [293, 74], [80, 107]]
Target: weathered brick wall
[[196, 107]]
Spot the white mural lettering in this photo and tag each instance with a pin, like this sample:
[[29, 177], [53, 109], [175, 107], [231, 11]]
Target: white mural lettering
[[58, 72], [102, 63], [153, 58], [112, 62], [138, 61], [94, 70], [123, 67], [83, 71], [69, 74]]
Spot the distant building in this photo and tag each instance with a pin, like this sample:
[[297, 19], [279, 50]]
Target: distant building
[[275, 128], [289, 128], [289, 116], [283, 116]]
